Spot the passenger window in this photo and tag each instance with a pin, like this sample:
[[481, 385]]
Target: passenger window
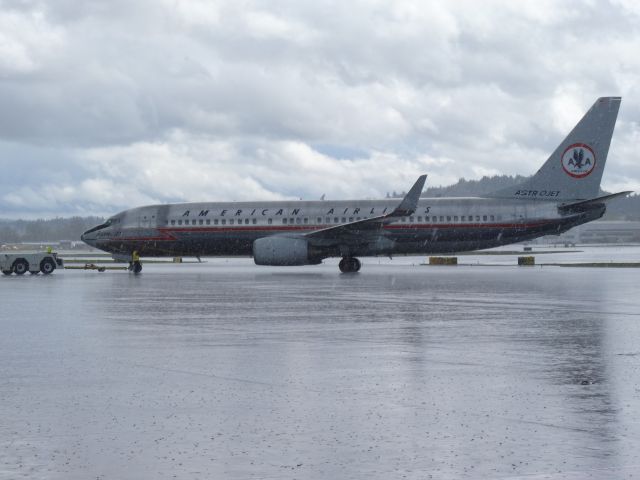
[[335, 220], [179, 222], [284, 221], [255, 221], [448, 218], [441, 218], [426, 219], [403, 219], [319, 220], [215, 222], [298, 220], [357, 218], [270, 221], [492, 218], [201, 222], [246, 221], [173, 222], [223, 221], [344, 220], [193, 222], [477, 218], [327, 220], [306, 220], [208, 222], [499, 217], [351, 219], [484, 218], [455, 218], [419, 219], [231, 221], [411, 219]]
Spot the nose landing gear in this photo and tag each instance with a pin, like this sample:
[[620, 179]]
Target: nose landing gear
[[349, 265]]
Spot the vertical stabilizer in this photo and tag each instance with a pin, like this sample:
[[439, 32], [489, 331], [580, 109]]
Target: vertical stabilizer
[[574, 170]]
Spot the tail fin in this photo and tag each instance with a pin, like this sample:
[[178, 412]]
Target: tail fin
[[574, 170]]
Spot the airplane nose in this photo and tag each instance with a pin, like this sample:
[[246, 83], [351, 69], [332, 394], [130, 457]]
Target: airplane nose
[[86, 238]]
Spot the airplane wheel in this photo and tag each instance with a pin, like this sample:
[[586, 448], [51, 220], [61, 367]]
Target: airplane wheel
[[356, 265], [20, 267], [7, 272], [47, 266], [137, 267], [349, 265]]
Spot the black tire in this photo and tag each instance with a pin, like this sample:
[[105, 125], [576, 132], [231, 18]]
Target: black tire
[[355, 265], [344, 265], [20, 266], [137, 267], [47, 266], [349, 265], [7, 272]]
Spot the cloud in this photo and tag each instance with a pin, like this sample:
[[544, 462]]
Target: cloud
[[143, 101]]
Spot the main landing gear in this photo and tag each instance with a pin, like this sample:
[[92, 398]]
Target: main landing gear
[[349, 265]]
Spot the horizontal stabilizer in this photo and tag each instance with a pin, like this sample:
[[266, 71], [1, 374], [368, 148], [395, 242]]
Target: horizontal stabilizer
[[587, 204]]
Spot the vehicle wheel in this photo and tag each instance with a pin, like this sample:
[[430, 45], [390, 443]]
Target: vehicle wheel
[[7, 272], [137, 267], [47, 266], [20, 267]]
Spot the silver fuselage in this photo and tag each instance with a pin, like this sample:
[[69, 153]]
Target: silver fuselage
[[439, 225]]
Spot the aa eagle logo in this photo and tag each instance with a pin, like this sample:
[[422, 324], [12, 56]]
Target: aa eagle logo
[[578, 160]]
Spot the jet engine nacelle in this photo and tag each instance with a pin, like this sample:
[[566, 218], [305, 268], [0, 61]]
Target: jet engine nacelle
[[282, 251]]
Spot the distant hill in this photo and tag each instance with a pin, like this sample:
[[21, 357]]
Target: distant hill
[[474, 188], [55, 229]]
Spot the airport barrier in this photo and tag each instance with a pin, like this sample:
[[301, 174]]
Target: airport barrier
[[443, 260], [526, 261]]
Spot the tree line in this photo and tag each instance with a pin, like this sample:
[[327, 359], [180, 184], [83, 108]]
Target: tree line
[[52, 230]]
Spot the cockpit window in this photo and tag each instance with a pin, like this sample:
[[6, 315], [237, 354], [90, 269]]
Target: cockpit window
[[106, 224], [99, 227]]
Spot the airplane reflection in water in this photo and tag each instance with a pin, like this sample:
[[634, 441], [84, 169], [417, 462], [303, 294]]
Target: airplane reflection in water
[[562, 194]]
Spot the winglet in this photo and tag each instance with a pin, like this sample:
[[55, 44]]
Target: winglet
[[410, 201]]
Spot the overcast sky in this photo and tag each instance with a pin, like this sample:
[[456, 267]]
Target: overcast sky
[[109, 105]]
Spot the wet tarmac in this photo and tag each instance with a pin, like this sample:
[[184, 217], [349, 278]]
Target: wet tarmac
[[228, 370]]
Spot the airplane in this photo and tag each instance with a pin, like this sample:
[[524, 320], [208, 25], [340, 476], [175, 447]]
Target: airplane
[[561, 195]]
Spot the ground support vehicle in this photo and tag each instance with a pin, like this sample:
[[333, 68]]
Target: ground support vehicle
[[32, 262]]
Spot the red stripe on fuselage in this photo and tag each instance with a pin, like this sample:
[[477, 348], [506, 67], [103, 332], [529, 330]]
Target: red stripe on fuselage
[[166, 232]]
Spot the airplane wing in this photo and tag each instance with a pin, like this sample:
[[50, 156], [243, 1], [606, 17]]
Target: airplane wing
[[353, 231], [583, 205]]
